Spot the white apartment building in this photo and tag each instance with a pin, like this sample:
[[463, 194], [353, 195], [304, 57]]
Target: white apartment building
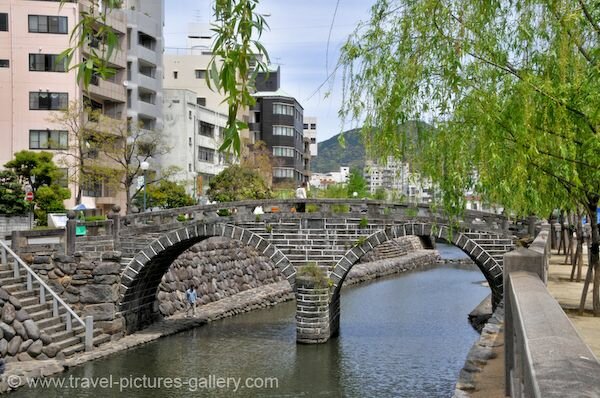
[[145, 47], [195, 134], [396, 176], [310, 133]]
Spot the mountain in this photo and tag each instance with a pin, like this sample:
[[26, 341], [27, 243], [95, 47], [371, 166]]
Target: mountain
[[331, 155]]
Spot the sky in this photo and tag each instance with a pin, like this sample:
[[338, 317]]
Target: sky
[[297, 41]]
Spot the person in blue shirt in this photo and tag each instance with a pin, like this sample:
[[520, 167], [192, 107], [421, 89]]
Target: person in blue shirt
[[191, 297]]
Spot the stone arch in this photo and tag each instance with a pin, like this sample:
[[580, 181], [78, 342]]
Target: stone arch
[[141, 277], [488, 265]]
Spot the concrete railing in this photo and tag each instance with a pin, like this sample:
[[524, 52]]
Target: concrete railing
[[544, 355]]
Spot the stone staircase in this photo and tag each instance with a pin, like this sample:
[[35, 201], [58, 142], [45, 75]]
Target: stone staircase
[[68, 342], [493, 244]]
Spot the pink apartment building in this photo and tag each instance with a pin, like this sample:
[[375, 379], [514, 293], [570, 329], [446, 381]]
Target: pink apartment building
[[34, 83]]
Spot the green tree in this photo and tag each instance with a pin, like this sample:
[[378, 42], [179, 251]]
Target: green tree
[[49, 199], [511, 89], [39, 171], [166, 195], [238, 183], [34, 168], [12, 195], [357, 183]]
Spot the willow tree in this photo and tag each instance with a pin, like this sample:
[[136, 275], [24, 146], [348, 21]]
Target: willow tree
[[512, 88]]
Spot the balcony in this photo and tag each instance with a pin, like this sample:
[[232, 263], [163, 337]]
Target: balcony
[[107, 90], [147, 82], [146, 54]]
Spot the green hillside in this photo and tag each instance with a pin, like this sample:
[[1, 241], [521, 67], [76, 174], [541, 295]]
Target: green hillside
[[331, 155]]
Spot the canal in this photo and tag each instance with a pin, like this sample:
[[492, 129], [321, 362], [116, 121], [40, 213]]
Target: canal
[[406, 336]]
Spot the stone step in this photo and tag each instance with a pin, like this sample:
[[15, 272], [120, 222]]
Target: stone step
[[47, 313], [61, 334], [98, 340], [48, 323]]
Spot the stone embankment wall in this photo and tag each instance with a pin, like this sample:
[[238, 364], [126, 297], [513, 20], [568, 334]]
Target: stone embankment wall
[[20, 336], [219, 268], [89, 285], [378, 269], [479, 355]]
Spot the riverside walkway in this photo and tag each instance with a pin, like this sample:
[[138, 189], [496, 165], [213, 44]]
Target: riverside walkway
[[489, 383]]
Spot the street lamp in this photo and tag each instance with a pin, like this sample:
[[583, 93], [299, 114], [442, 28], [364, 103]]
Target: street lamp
[[195, 192], [144, 166]]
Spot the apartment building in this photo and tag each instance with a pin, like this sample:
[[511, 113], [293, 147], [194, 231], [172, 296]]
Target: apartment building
[[395, 176], [195, 134], [145, 47], [34, 83], [277, 119]]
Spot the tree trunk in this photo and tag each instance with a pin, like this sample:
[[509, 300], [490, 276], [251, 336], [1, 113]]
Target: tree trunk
[[563, 235], [595, 253]]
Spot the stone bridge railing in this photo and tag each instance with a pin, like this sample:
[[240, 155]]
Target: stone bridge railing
[[314, 208]]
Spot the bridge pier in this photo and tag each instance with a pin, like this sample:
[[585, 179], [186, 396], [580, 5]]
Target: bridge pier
[[317, 315]]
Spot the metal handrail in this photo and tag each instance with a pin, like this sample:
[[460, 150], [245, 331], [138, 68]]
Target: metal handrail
[[88, 323]]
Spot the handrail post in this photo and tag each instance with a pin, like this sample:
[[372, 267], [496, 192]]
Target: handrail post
[[4, 260], [69, 323], [116, 224], [29, 282], [42, 295], [16, 269], [89, 333], [70, 234]]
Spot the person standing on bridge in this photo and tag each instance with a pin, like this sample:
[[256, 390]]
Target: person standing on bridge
[[301, 194], [191, 297]]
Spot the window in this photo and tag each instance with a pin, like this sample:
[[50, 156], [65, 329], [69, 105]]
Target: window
[[283, 130], [48, 139], [284, 151], [200, 73], [146, 41], [3, 22], [40, 100], [313, 126], [47, 63], [175, 73], [4, 63], [148, 97], [305, 126], [190, 141], [92, 189], [48, 24], [283, 172], [283, 109], [63, 181], [206, 129], [201, 101], [189, 167], [190, 115], [206, 154]]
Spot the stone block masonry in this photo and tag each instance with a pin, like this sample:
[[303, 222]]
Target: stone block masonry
[[219, 268], [20, 336], [90, 285]]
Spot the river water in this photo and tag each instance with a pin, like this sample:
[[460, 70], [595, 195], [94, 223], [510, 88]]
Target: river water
[[406, 336]]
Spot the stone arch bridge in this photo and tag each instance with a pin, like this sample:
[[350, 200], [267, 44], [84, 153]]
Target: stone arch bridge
[[333, 233]]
